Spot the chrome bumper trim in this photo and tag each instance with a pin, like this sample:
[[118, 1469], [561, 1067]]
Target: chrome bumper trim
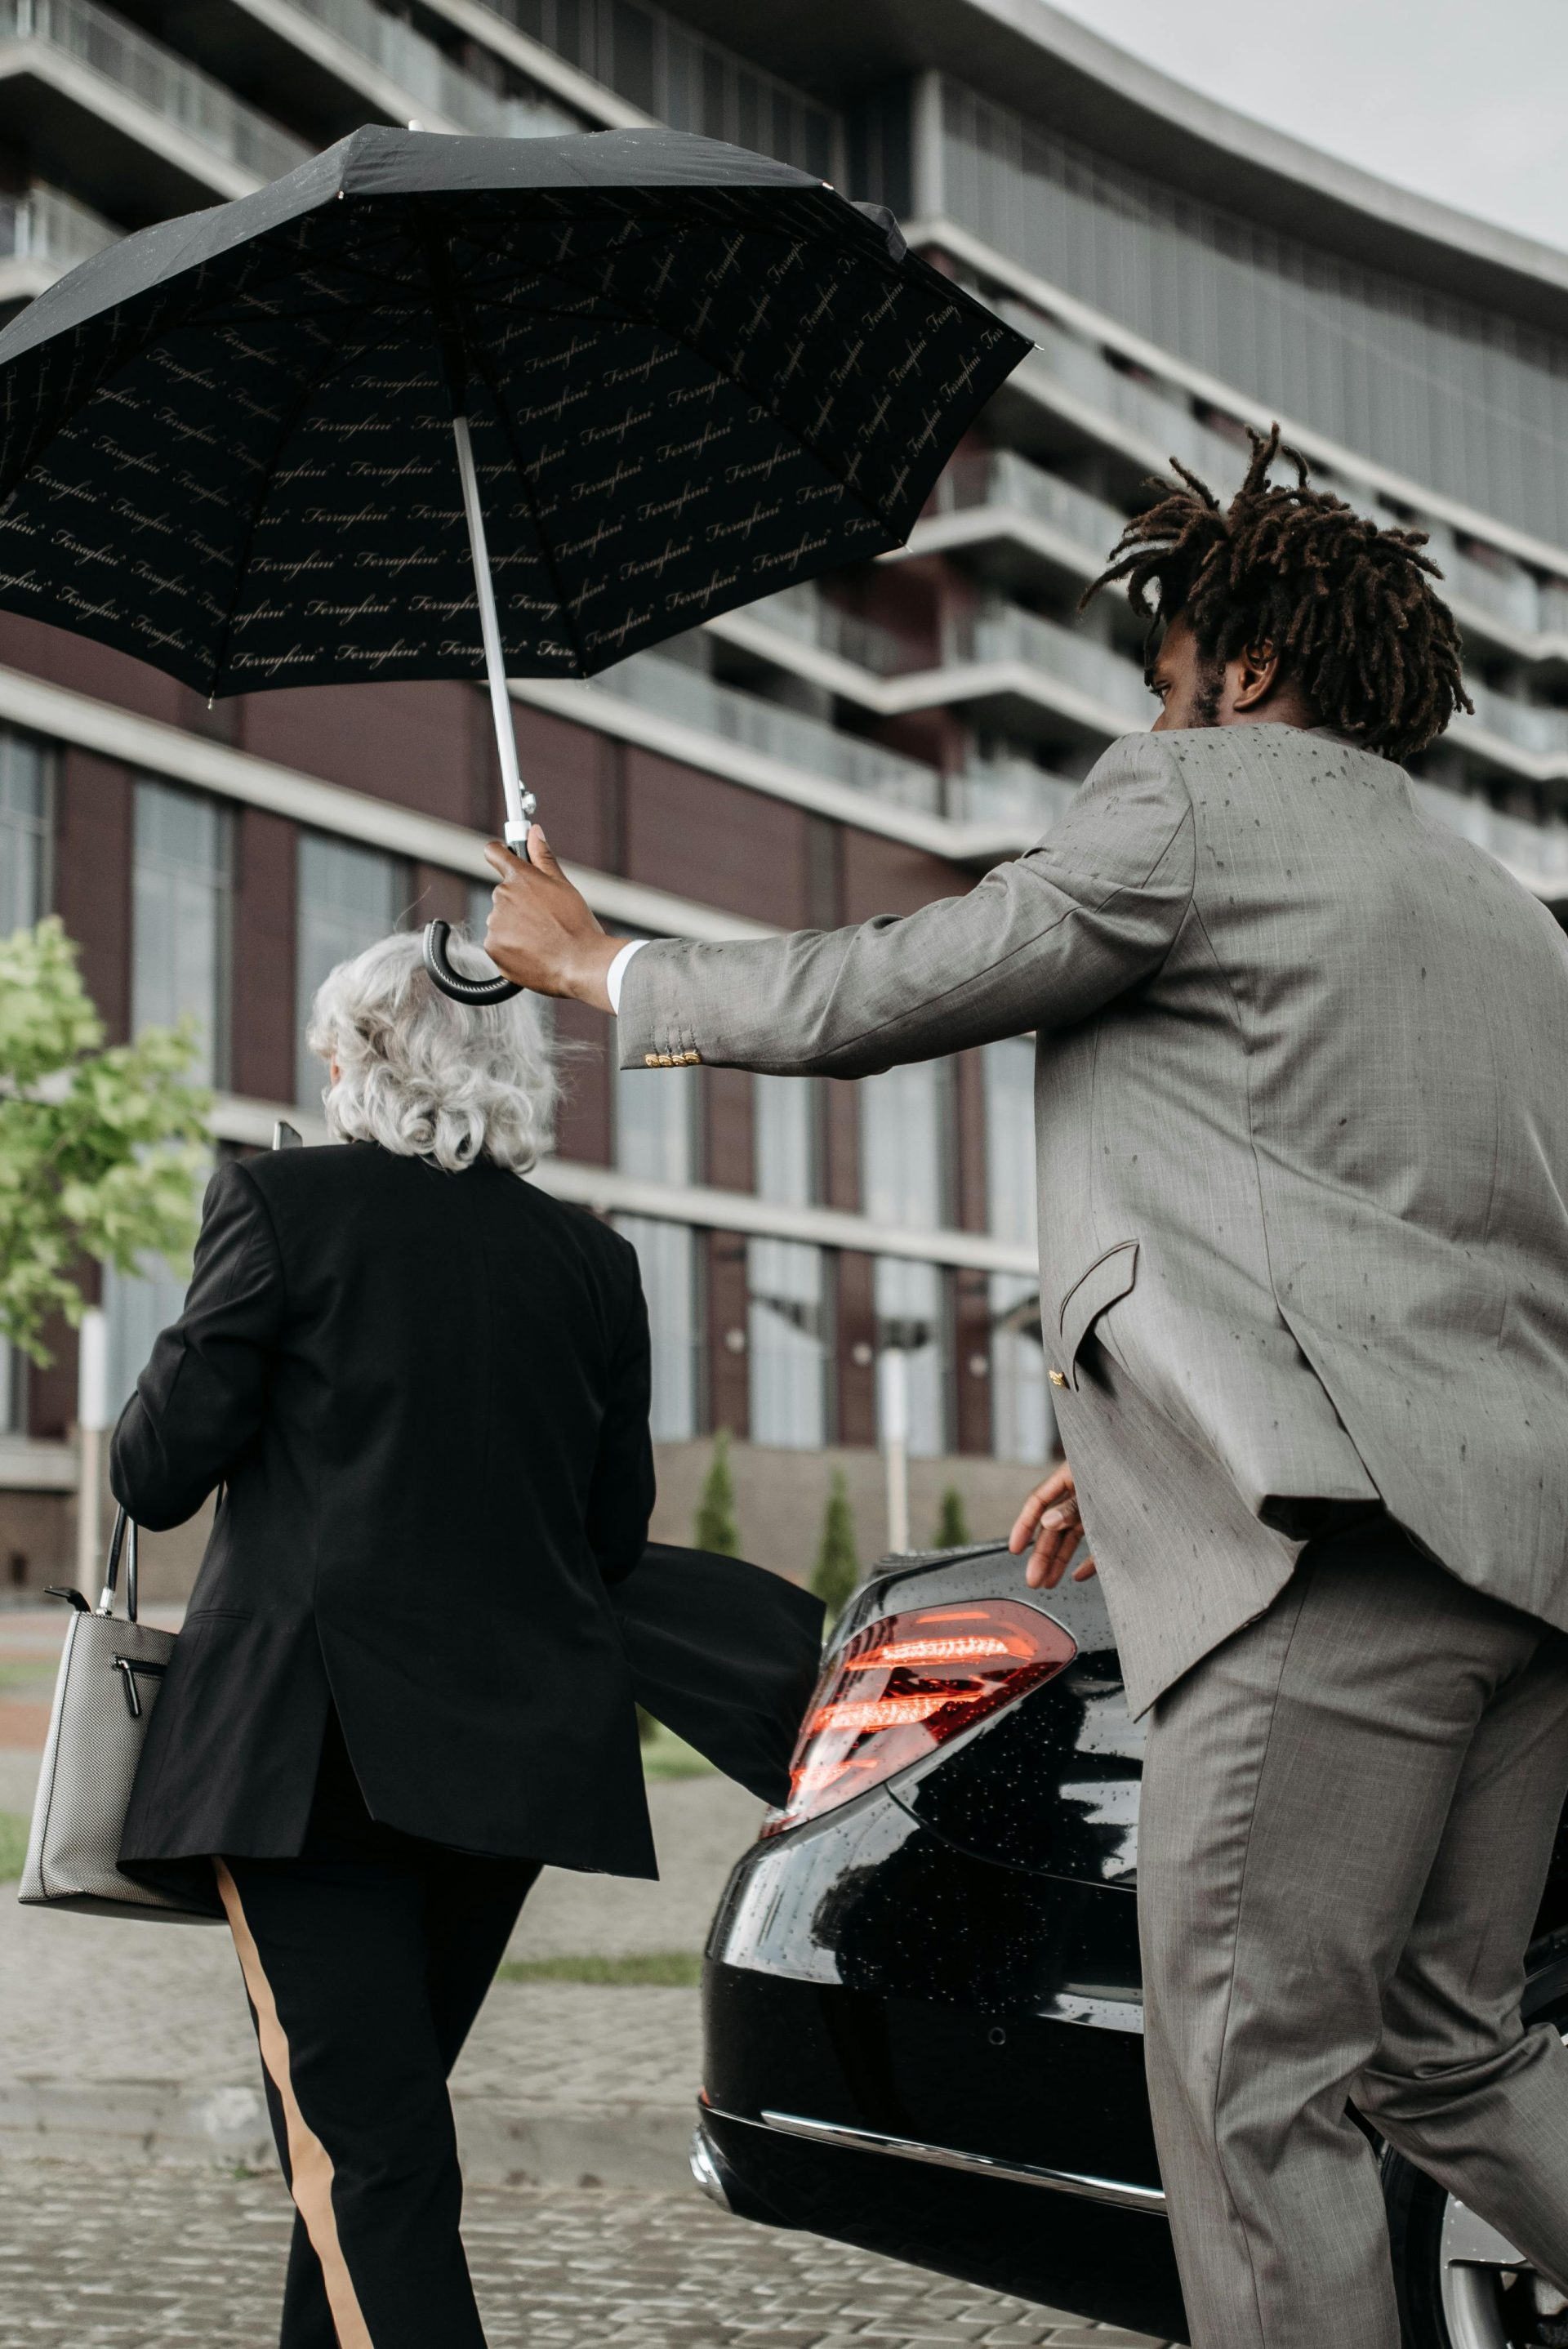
[[1115, 2192]]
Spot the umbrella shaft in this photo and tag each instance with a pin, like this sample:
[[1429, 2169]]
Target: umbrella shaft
[[520, 805]]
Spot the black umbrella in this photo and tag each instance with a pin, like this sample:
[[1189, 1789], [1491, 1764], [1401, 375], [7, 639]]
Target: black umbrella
[[678, 377]]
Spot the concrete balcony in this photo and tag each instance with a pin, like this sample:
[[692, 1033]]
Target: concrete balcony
[[334, 63], [1069, 398], [1536, 733], [1536, 854], [42, 235], [1018, 672], [686, 695], [679, 712], [1017, 524], [135, 130]]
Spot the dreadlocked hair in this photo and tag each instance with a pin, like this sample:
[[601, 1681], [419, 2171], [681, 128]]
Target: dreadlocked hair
[[1348, 607]]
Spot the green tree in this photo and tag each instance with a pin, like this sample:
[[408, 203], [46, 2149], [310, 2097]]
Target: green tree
[[837, 1569], [101, 1148], [716, 1523], [952, 1522]]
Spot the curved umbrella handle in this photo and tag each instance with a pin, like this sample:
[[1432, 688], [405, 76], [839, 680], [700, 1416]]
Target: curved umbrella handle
[[452, 982]]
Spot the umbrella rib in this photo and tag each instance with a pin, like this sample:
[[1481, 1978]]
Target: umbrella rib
[[340, 359], [546, 549]]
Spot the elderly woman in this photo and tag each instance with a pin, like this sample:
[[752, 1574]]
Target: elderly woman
[[422, 1384]]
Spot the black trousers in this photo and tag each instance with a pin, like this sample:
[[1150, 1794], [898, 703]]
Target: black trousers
[[366, 1960]]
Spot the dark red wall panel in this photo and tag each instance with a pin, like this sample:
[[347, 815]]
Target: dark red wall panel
[[729, 1383], [972, 1360], [92, 877], [700, 837], [582, 1123], [857, 1335], [726, 1129], [264, 955], [884, 876]]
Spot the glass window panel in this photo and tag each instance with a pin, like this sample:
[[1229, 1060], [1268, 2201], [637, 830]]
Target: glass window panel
[[632, 33], [788, 1343], [179, 919], [749, 101], [903, 1145], [25, 782], [669, 1260], [137, 1306], [716, 88], [656, 1124], [784, 1139], [682, 107], [1023, 1423], [349, 897], [911, 1303], [13, 1389], [1010, 1159], [1469, 401]]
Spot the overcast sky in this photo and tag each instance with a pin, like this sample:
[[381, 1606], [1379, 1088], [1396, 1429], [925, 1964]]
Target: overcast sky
[[1463, 100]]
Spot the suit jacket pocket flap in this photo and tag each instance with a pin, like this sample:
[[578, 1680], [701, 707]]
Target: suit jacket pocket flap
[[1108, 1277]]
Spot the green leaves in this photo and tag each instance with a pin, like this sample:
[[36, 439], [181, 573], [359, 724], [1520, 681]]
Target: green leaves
[[101, 1149]]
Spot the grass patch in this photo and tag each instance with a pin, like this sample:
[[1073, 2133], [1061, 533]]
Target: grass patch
[[665, 1755], [654, 1968], [34, 1678], [12, 1845]]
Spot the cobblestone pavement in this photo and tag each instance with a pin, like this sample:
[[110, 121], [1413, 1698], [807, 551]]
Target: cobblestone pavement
[[90, 2260]]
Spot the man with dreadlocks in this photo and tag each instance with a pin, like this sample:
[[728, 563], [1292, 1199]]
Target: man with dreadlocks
[[1303, 1142]]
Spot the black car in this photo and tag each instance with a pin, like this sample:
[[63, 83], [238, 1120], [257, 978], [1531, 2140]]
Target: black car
[[923, 2003]]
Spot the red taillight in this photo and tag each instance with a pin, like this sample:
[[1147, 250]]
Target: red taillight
[[905, 1684]]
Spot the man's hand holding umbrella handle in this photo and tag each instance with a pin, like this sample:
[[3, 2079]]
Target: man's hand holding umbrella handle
[[1050, 1529], [542, 932]]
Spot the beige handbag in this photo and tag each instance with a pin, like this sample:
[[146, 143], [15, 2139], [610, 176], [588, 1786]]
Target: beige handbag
[[108, 1681]]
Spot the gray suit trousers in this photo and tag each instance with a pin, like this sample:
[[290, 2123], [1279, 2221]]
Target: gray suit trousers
[[1347, 1815]]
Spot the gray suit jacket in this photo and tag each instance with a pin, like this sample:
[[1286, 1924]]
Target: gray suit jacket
[[1302, 1111]]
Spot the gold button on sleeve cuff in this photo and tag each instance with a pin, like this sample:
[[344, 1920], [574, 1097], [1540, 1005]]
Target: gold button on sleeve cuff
[[1058, 1378]]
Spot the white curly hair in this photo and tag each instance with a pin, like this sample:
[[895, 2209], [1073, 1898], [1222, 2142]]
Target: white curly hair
[[423, 1076]]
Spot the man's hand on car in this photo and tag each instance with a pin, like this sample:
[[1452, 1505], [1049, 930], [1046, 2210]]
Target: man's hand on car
[[1049, 1521]]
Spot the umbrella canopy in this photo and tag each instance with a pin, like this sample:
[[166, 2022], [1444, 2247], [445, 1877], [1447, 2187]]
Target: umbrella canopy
[[690, 375]]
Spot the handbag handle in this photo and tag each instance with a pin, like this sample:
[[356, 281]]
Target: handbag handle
[[122, 1539]]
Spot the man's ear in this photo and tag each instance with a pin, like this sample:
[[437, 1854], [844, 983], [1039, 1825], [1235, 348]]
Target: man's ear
[[1254, 676]]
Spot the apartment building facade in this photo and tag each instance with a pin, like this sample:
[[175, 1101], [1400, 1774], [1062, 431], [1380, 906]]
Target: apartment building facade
[[853, 747]]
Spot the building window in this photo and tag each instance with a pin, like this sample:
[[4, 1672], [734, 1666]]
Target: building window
[[904, 1127], [788, 1332], [1023, 1424], [911, 1300], [668, 1257], [656, 1124], [25, 777], [181, 904], [785, 1139], [1010, 1157], [137, 1306], [13, 1389], [787, 1337], [349, 897]]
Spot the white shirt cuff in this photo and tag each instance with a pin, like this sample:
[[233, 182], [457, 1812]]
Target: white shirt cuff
[[617, 970]]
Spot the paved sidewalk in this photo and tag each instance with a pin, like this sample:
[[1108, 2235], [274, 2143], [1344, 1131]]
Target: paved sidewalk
[[137, 2034], [90, 2259]]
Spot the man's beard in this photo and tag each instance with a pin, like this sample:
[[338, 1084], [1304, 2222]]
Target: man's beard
[[1207, 692]]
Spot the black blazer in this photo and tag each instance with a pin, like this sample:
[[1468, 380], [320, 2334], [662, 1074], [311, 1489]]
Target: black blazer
[[426, 1398]]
